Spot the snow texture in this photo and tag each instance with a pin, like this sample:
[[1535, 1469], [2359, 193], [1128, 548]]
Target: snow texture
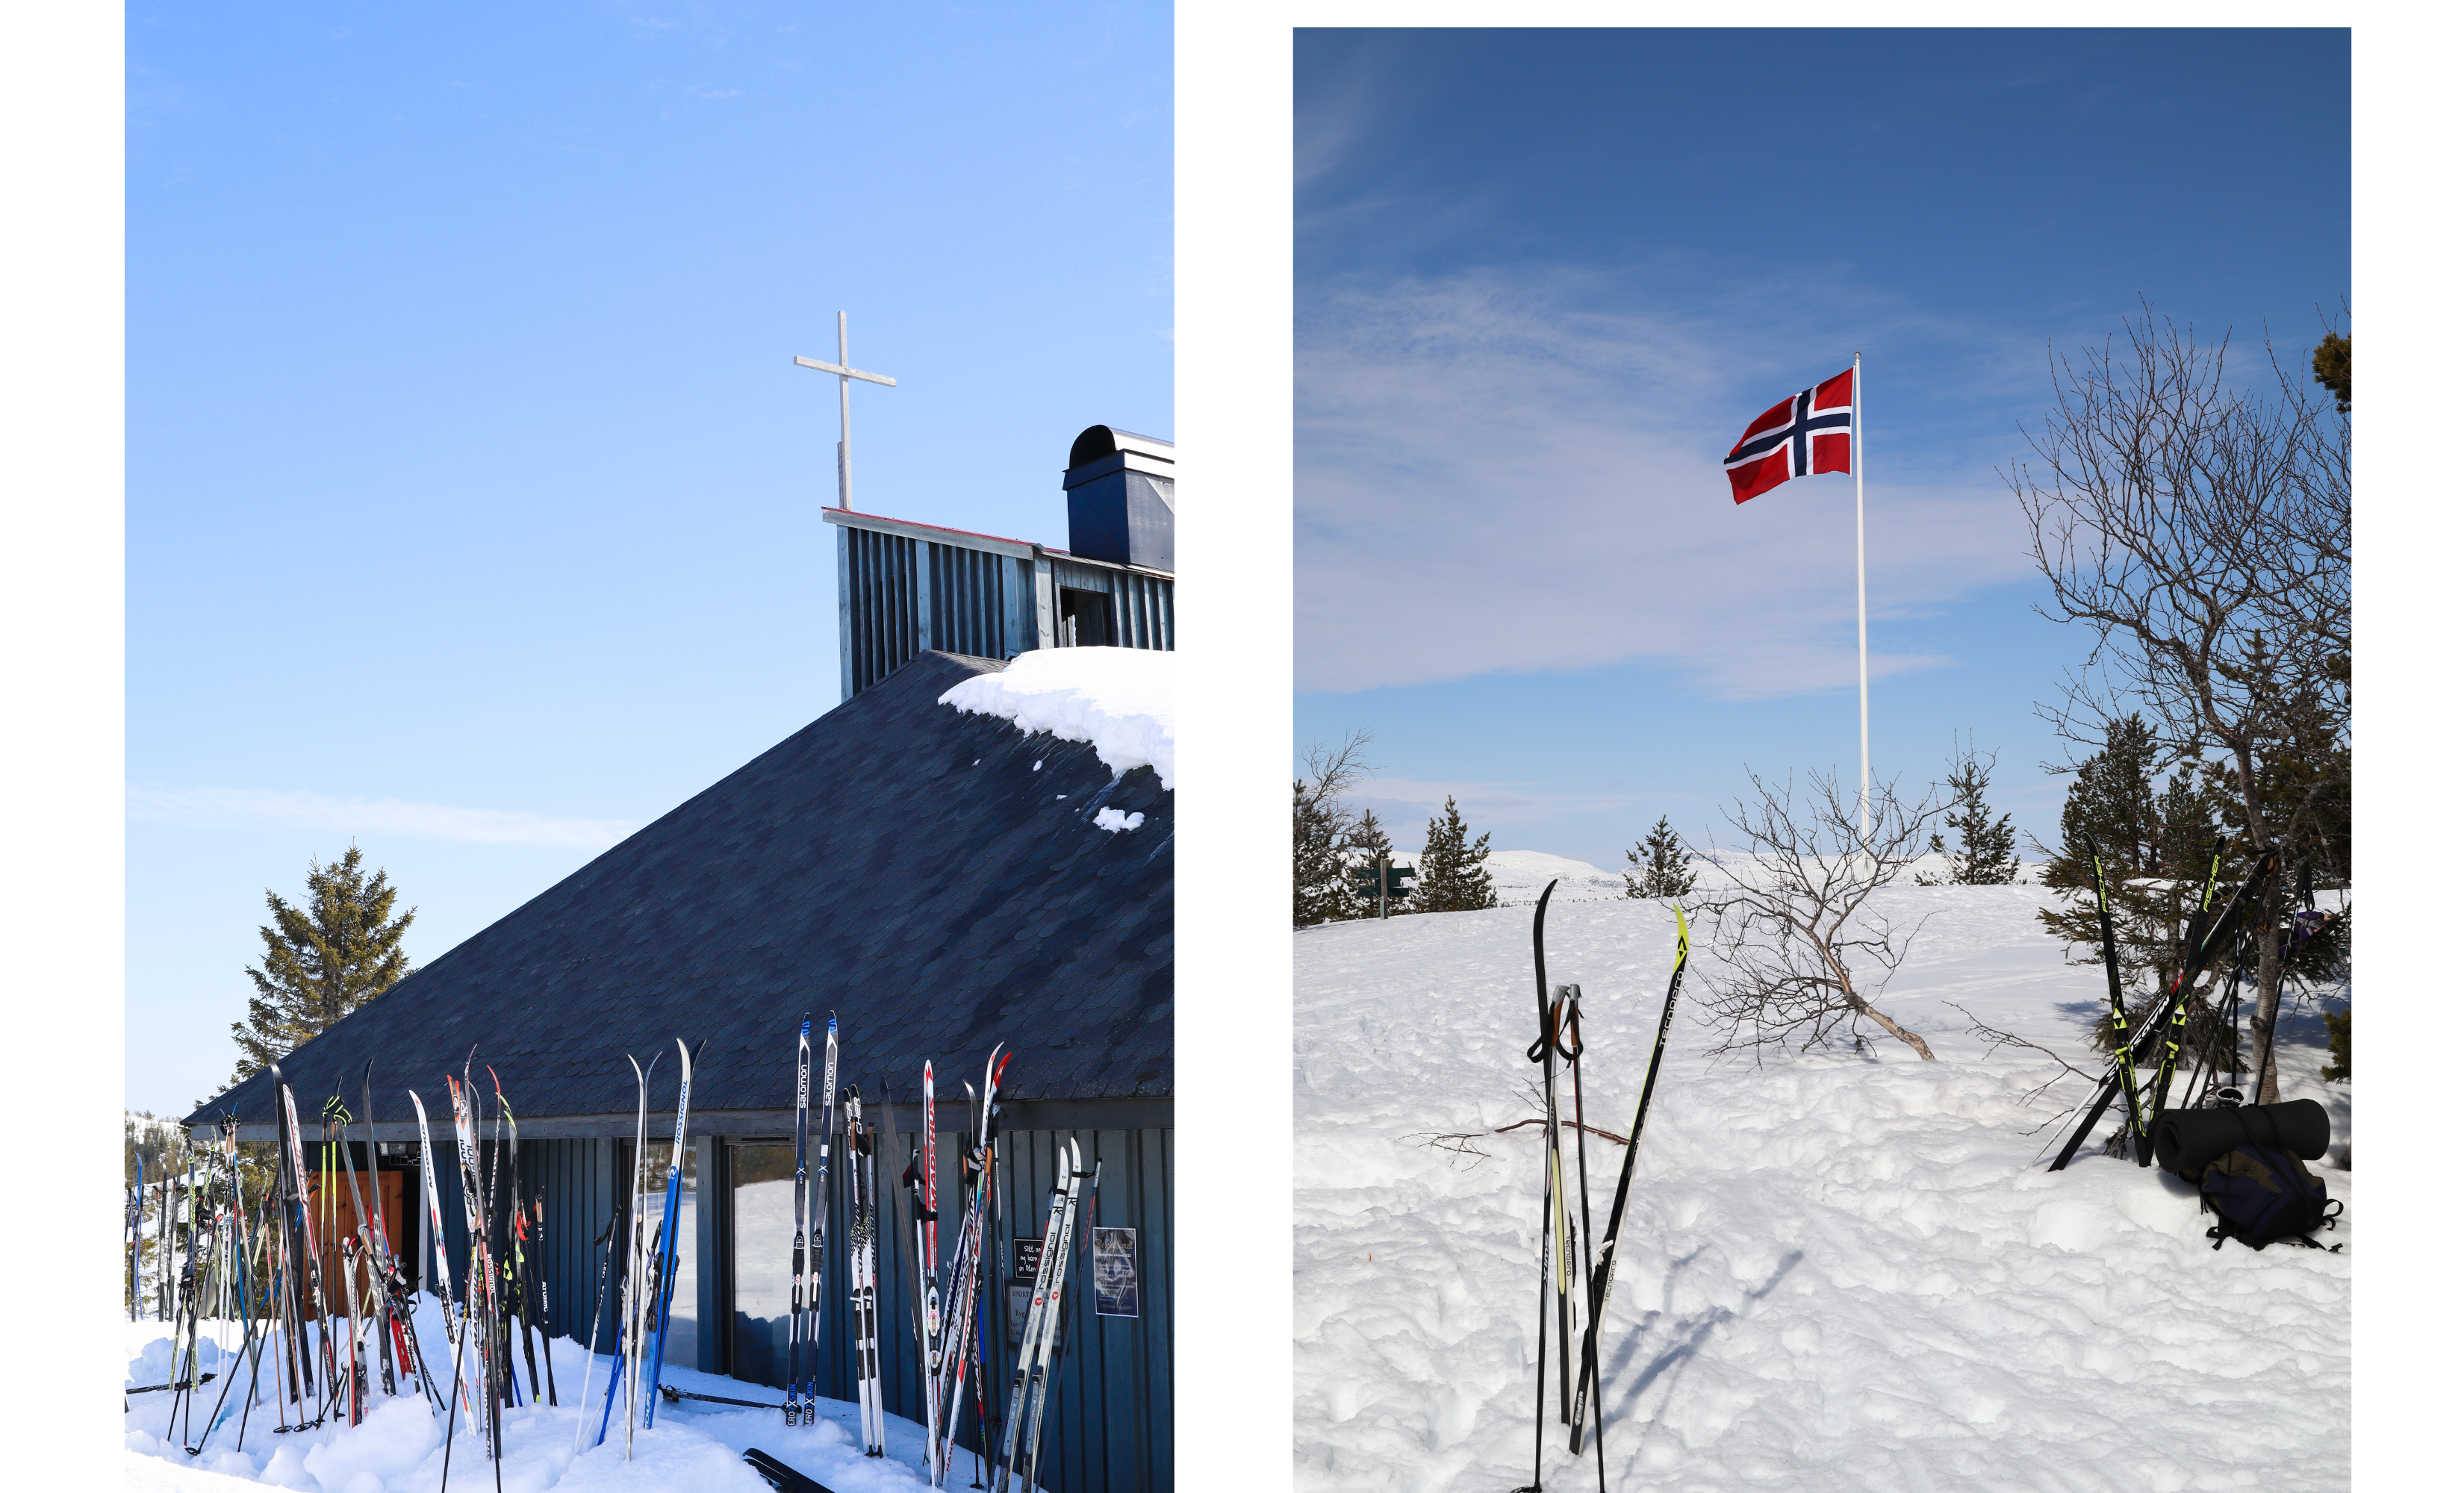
[[1843, 1269], [1517, 876], [1113, 821], [1120, 699], [400, 1447]]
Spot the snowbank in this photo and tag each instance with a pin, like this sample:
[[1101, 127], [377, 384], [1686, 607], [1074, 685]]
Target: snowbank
[[400, 1447], [1840, 1271], [1120, 699]]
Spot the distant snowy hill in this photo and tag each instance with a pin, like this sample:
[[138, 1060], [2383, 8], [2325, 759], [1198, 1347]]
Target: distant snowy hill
[[1843, 1270], [1518, 875]]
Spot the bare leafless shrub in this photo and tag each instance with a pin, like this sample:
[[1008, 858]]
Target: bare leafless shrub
[[1798, 949]]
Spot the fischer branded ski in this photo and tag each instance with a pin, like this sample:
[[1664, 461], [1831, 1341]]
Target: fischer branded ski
[[863, 1196], [803, 1214], [2181, 1014], [1605, 1263], [2218, 934], [2138, 1122], [820, 1218]]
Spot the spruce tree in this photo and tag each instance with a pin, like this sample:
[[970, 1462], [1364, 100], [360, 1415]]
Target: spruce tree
[[1366, 843], [1986, 855], [324, 959], [2111, 804], [1661, 859], [1453, 878]]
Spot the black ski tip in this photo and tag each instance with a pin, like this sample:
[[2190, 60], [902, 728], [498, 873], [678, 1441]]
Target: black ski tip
[[779, 1474]]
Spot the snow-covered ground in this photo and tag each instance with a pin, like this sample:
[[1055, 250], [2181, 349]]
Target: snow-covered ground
[[400, 1448], [1517, 876], [1120, 699], [1841, 1271]]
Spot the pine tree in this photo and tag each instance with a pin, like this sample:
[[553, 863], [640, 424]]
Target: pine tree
[[1986, 856], [1661, 858], [1452, 877], [324, 959]]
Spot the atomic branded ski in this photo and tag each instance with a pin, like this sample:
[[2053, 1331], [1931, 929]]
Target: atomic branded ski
[[1605, 1263]]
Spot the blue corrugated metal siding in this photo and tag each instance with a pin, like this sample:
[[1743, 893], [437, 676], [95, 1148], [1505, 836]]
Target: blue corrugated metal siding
[[1109, 1411], [1141, 605], [968, 600], [881, 610]]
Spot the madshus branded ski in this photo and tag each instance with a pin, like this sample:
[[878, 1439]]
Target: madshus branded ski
[[2218, 933], [1605, 1263]]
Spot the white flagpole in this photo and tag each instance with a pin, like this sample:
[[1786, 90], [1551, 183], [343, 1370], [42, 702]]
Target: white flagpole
[[1864, 746]]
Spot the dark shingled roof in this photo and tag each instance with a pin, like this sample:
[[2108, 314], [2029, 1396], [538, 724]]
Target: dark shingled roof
[[898, 860]]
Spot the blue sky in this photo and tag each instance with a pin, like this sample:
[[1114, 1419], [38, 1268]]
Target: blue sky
[[473, 497], [1544, 278]]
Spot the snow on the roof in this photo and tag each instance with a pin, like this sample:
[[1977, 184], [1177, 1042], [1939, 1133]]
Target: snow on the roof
[[1120, 699]]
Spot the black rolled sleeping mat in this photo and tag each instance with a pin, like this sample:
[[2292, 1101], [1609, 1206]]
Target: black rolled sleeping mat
[[2187, 1140]]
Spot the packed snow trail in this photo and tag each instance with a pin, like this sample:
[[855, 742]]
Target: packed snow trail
[[1842, 1271], [400, 1447]]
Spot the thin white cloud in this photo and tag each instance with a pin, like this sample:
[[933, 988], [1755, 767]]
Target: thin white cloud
[[241, 807], [1493, 473]]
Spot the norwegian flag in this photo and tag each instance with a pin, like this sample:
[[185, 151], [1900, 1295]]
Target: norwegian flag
[[1802, 435]]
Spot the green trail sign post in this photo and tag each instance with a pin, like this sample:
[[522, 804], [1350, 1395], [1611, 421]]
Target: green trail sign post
[[1382, 881]]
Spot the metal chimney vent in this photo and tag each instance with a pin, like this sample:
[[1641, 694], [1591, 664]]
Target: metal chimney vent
[[1120, 498]]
